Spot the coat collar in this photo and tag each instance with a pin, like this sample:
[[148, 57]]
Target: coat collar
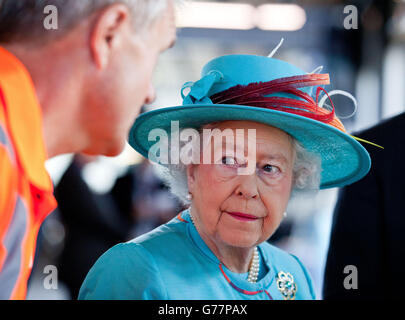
[[24, 119]]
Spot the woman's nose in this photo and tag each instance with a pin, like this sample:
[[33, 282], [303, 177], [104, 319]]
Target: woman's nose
[[247, 187]]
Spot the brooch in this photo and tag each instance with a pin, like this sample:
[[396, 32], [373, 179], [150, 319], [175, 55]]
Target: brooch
[[286, 285]]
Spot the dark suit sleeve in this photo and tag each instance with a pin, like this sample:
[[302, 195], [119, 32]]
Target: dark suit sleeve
[[369, 222], [356, 240]]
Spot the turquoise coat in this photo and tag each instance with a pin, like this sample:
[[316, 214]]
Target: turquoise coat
[[172, 262]]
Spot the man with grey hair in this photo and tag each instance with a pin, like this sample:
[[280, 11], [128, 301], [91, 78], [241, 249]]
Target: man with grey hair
[[76, 88]]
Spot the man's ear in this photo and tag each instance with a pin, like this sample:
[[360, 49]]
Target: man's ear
[[107, 32]]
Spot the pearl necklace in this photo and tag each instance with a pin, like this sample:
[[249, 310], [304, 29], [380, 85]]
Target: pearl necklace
[[254, 266]]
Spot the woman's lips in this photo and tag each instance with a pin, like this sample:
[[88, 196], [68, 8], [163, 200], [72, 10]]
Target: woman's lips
[[242, 216]]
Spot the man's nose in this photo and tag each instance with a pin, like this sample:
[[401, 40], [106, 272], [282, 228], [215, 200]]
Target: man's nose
[[247, 187], [151, 95]]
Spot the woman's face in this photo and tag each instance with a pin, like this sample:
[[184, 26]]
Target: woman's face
[[221, 195]]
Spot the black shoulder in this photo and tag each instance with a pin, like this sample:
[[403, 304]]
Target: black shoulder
[[389, 133], [385, 128]]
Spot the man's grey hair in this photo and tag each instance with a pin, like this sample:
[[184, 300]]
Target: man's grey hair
[[22, 20], [306, 174]]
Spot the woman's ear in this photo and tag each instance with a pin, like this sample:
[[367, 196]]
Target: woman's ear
[[191, 170]]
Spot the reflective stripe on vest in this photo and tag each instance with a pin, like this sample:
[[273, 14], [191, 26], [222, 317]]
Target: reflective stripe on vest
[[13, 244], [6, 143]]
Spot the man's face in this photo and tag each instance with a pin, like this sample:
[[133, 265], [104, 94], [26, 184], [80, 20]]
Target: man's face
[[117, 92]]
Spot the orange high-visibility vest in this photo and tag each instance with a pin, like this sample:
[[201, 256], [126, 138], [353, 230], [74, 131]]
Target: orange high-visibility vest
[[26, 190]]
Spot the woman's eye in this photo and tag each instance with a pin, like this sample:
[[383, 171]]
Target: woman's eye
[[229, 161], [271, 169]]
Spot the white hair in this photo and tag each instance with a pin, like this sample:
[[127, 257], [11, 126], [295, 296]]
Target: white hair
[[19, 16], [144, 11], [306, 174]]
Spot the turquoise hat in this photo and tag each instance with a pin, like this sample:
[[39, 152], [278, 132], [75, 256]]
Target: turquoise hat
[[268, 91]]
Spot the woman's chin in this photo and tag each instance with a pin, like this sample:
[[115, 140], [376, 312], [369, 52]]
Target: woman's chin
[[239, 240]]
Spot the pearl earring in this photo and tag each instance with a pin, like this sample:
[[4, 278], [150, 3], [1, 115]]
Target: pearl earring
[[189, 197], [285, 214]]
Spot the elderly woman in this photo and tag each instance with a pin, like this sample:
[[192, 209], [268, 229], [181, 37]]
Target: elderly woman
[[217, 249]]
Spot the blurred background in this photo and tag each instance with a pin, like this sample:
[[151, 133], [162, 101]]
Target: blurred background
[[104, 201]]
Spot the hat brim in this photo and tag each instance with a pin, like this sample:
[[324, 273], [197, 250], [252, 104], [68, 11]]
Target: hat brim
[[344, 160]]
